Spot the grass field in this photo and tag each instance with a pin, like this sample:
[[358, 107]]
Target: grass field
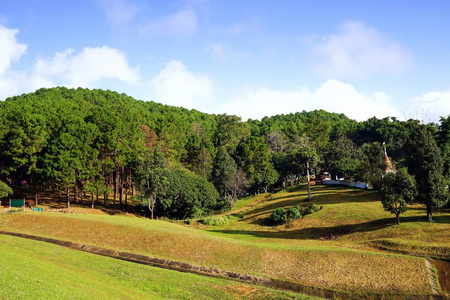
[[349, 218], [336, 248], [36, 270]]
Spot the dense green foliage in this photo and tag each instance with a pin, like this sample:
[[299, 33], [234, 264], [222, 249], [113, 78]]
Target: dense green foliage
[[293, 214], [398, 190], [278, 216], [5, 190], [182, 163], [425, 162], [219, 220]]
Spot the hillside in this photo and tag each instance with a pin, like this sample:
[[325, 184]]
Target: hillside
[[32, 269], [109, 149], [328, 246]]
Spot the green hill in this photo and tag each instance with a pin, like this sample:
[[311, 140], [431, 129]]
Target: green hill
[[336, 248], [32, 270]]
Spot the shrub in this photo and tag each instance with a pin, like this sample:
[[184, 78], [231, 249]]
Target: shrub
[[293, 214], [311, 208], [278, 216]]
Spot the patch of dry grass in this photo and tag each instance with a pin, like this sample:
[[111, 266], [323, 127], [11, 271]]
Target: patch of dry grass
[[349, 218], [325, 266], [37, 270]]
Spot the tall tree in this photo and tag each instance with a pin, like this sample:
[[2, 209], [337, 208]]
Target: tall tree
[[425, 163], [343, 158], [276, 142], [152, 178], [443, 140], [254, 159], [372, 166], [230, 131], [223, 174], [398, 190], [188, 195], [307, 154]]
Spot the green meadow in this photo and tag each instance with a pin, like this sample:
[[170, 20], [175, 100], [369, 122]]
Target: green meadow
[[37, 270], [349, 245]]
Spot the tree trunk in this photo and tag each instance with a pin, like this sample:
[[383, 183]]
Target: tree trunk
[[316, 177], [75, 193], [36, 197], [68, 197], [92, 200], [80, 195], [127, 186], [429, 213], [307, 178], [115, 186], [151, 206], [398, 218], [120, 196]]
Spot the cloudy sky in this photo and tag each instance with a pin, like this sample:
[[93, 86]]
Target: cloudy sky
[[251, 58]]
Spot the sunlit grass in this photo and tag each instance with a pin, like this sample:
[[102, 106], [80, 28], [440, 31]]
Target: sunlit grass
[[348, 218], [314, 263], [36, 270]]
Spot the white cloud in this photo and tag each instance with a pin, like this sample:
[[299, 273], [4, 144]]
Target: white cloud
[[182, 23], [176, 85], [119, 12], [84, 69], [10, 50], [12, 84], [332, 96], [431, 106], [358, 50]]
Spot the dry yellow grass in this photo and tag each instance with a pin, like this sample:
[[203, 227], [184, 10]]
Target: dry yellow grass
[[349, 218], [325, 266]]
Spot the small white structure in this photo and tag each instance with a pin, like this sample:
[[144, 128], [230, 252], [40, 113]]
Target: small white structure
[[359, 185]]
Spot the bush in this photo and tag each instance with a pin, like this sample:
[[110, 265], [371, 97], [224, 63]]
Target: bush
[[278, 216], [311, 208], [293, 214]]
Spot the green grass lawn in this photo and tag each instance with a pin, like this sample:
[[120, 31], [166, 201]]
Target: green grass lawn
[[37, 270], [325, 249], [350, 218]]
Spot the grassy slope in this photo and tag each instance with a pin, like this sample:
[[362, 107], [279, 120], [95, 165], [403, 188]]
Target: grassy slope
[[246, 246], [350, 218], [36, 270]]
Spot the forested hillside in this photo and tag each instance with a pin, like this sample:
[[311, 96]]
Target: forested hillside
[[182, 163]]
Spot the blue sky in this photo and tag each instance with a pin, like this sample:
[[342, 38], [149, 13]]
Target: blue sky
[[249, 58]]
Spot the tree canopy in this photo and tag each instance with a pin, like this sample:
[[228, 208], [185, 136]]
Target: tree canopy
[[398, 190], [112, 146]]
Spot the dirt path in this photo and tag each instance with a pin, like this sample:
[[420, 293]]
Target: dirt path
[[432, 277], [214, 272], [265, 198]]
